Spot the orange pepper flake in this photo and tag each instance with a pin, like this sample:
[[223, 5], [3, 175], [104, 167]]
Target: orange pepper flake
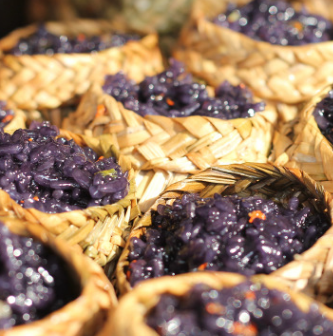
[[244, 330], [250, 295], [100, 110], [128, 274], [170, 102], [36, 198], [100, 158], [7, 118], [214, 308], [298, 25], [21, 201], [30, 139], [202, 266], [242, 86], [81, 37], [256, 214]]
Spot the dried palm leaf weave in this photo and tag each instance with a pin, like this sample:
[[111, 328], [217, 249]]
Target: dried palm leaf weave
[[33, 82], [100, 232], [83, 316], [165, 150], [311, 271], [288, 75], [303, 145], [143, 298]]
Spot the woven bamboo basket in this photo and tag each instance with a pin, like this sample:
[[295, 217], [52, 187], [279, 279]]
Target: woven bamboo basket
[[144, 297], [302, 145], [100, 232], [288, 75], [165, 149], [310, 271], [18, 121], [42, 81], [83, 316]]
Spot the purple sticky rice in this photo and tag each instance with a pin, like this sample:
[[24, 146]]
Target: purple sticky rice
[[276, 22], [323, 114], [244, 235], [44, 42], [173, 93], [34, 281], [51, 174], [244, 310]]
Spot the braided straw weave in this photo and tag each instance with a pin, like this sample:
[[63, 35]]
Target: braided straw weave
[[17, 122], [100, 232], [302, 145], [311, 271], [143, 298], [83, 316], [48, 81], [165, 149], [288, 75]]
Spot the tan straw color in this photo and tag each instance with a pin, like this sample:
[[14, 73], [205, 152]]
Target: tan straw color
[[166, 149], [143, 298], [85, 315], [17, 122], [48, 81], [311, 271], [288, 75], [302, 145], [100, 232]]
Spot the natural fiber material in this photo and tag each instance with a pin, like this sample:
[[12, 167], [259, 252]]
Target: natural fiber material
[[165, 149], [100, 232], [83, 316], [302, 145], [143, 298], [285, 74], [17, 122], [48, 81], [311, 271]]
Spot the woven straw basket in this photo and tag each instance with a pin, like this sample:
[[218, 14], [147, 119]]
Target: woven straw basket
[[83, 316], [165, 149], [310, 271], [17, 122], [44, 81], [100, 232], [302, 145], [288, 75], [143, 298]]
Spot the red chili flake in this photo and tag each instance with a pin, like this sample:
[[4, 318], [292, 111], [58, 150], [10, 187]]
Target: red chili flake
[[214, 308], [100, 158], [250, 295], [128, 274], [244, 330], [100, 110], [36, 198], [170, 102], [21, 201], [81, 37], [202, 266], [256, 214], [7, 118]]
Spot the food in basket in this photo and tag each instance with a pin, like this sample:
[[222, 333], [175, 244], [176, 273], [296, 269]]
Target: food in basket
[[323, 114], [249, 309], [248, 235], [276, 22], [45, 42], [52, 174], [174, 93], [34, 281]]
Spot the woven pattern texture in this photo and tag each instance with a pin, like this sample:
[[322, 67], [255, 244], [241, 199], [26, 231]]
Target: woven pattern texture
[[311, 271], [285, 74], [83, 316], [167, 149], [100, 232], [301, 144], [48, 81]]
